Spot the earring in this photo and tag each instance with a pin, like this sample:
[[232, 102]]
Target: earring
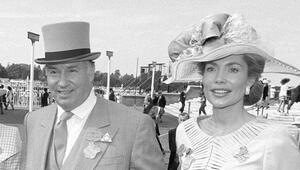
[[247, 91]]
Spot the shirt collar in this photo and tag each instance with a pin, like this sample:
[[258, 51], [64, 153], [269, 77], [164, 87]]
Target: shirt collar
[[82, 110]]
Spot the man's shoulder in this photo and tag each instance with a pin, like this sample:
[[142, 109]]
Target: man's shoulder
[[121, 112], [40, 113]]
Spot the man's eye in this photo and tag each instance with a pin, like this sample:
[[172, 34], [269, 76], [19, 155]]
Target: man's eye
[[52, 72], [209, 69], [73, 71]]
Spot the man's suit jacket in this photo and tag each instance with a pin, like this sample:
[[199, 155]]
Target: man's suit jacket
[[133, 145]]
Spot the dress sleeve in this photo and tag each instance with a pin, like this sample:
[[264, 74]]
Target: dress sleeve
[[281, 152]]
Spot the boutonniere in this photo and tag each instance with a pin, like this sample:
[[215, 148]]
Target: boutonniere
[[91, 150], [243, 154], [185, 154], [106, 138]]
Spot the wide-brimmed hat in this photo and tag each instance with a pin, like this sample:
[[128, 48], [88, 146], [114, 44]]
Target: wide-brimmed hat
[[67, 42], [215, 37]]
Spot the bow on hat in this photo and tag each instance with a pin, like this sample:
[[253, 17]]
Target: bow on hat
[[214, 38], [213, 32]]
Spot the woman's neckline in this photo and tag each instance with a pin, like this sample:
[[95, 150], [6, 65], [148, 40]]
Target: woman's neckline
[[251, 121]]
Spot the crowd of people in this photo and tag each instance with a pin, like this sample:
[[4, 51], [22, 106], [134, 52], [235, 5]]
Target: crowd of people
[[83, 131]]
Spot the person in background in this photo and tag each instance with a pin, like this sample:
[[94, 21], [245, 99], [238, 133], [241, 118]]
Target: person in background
[[202, 103], [45, 98], [2, 94], [283, 95], [154, 114], [224, 51], [173, 159], [112, 96], [10, 98], [182, 98], [161, 104], [81, 131], [147, 98], [265, 90]]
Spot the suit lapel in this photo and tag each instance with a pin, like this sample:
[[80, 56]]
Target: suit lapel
[[96, 126], [47, 125]]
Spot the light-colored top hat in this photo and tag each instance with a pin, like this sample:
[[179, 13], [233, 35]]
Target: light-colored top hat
[[67, 42], [215, 37]]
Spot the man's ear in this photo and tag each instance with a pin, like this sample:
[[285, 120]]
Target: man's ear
[[91, 71]]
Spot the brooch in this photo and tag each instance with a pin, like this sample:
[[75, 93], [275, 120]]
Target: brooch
[[93, 134], [243, 154], [186, 156], [91, 150]]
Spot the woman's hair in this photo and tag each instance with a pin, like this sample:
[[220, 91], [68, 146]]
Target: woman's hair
[[9, 88], [256, 66]]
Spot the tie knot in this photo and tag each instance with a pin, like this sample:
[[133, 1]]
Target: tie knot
[[65, 116]]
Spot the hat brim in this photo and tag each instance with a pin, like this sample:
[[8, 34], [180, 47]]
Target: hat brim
[[187, 70], [85, 57]]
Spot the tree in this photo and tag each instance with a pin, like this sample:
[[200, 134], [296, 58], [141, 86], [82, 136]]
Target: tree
[[18, 71], [3, 72]]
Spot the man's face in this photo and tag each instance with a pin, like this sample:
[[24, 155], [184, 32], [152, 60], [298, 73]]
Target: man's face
[[70, 83]]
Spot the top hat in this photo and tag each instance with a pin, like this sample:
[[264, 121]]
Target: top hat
[[67, 42], [216, 37]]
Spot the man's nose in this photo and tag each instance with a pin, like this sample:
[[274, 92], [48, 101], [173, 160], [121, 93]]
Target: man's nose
[[63, 79]]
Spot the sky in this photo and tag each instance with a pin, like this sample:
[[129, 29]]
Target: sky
[[139, 31]]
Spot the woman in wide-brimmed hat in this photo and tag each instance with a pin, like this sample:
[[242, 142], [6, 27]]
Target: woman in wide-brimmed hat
[[224, 52]]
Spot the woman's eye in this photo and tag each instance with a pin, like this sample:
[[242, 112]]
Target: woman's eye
[[234, 70]]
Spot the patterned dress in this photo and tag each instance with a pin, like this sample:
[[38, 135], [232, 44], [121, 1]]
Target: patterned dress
[[257, 145]]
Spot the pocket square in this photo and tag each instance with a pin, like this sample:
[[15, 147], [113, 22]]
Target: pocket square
[[106, 138]]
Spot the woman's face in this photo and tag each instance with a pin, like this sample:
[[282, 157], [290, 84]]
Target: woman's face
[[225, 81]]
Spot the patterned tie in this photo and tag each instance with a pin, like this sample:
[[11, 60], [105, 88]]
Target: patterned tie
[[60, 137]]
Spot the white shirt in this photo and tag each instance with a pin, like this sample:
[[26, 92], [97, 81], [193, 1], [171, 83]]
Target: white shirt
[[283, 90], [76, 122]]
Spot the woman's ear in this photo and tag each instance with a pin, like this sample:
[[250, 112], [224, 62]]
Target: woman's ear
[[250, 81]]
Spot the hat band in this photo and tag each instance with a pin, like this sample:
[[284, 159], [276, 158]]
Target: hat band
[[59, 55]]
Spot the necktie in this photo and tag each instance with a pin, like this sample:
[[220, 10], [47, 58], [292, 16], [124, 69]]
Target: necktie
[[60, 137]]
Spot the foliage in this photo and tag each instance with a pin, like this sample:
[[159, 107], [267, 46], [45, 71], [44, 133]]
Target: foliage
[[128, 81]]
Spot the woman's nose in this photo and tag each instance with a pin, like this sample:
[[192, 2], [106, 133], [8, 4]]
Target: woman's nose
[[220, 76]]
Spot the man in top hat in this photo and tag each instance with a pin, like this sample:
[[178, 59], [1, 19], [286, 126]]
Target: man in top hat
[[82, 131]]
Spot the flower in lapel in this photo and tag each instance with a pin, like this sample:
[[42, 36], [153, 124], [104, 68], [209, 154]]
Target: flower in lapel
[[91, 150], [106, 138], [243, 154], [186, 157]]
